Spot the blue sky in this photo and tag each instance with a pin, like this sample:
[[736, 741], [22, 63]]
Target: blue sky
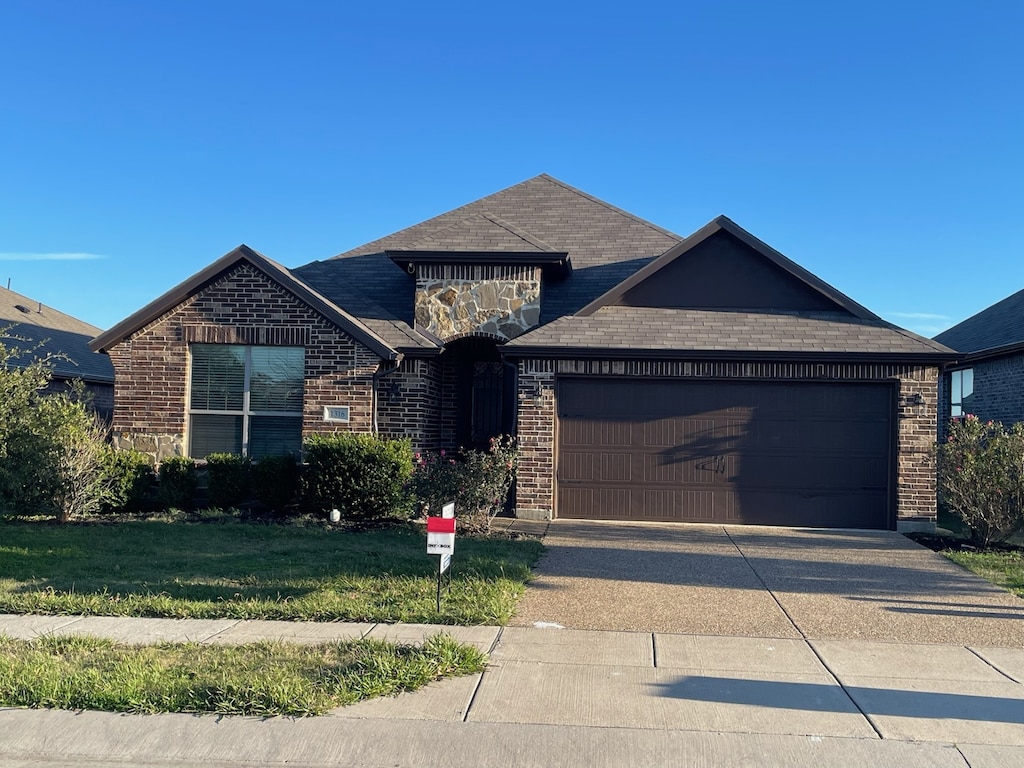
[[878, 144]]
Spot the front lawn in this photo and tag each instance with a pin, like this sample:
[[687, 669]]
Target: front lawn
[[1003, 567], [257, 679], [233, 569], [1002, 564]]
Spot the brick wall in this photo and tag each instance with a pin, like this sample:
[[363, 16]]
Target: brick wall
[[409, 403], [998, 391], [242, 307], [916, 420]]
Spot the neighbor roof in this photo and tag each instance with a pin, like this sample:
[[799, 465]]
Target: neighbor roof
[[38, 330], [1000, 328]]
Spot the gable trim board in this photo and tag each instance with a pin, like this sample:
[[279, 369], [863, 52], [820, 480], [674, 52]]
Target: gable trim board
[[609, 308]]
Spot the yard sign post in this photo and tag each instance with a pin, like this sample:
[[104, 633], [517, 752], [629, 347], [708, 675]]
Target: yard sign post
[[441, 541]]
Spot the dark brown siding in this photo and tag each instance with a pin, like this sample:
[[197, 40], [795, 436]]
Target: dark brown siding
[[809, 454], [724, 273]]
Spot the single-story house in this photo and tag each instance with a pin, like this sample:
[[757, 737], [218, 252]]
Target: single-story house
[[37, 331], [648, 376], [987, 379]]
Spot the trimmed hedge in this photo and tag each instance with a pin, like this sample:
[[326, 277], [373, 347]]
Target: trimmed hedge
[[362, 475], [177, 483], [227, 480], [274, 482], [127, 477]]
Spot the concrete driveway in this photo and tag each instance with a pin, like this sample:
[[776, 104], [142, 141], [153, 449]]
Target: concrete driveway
[[763, 582]]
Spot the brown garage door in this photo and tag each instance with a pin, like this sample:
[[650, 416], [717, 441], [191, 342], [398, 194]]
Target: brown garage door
[[767, 453]]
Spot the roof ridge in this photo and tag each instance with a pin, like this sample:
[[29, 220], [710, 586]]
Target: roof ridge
[[609, 206]]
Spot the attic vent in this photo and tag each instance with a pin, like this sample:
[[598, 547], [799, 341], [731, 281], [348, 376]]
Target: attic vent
[[22, 308]]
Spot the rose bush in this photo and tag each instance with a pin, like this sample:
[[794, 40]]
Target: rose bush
[[477, 481]]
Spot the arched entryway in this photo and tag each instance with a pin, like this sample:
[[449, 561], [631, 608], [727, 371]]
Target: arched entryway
[[479, 393]]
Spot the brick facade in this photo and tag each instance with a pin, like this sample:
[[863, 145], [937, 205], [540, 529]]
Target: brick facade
[[246, 307], [998, 391], [409, 403], [915, 411]]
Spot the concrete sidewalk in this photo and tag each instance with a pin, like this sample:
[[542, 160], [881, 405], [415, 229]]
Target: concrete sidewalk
[[575, 697]]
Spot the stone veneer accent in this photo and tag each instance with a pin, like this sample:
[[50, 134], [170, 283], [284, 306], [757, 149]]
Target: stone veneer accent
[[454, 300], [916, 418], [242, 307]]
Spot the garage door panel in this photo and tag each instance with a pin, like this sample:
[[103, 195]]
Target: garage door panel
[[749, 452], [577, 466], [616, 467], [576, 431]]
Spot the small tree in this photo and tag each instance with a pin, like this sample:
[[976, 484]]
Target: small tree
[[981, 477], [51, 446]]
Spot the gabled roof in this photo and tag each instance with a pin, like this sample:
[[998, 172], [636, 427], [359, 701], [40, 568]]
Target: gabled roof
[[996, 330], [244, 254], [605, 245], [38, 330], [617, 331], [680, 251]]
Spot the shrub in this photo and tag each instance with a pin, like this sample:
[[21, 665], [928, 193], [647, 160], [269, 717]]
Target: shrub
[[274, 482], [177, 488], [127, 477], [227, 479], [363, 475], [50, 444], [478, 482], [981, 477]]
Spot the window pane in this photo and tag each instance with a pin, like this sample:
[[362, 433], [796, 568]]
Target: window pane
[[275, 383], [955, 386], [218, 377], [209, 433], [275, 436], [967, 383]]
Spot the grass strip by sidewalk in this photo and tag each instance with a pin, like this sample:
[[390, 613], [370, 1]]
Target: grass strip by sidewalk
[[242, 570], [1002, 568], [260, 679]]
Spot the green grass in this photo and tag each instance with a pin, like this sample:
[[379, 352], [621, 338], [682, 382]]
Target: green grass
[[257, 679], [1002, 568], [232, 569]]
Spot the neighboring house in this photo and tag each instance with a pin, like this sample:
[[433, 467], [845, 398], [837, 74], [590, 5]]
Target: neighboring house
[[648, 376], [36, 331], [987, 378]]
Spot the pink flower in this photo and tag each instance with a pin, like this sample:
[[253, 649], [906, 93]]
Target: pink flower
[[442, 453]]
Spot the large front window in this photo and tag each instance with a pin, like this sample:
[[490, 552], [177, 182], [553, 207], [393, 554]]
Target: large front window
[[245, 400]]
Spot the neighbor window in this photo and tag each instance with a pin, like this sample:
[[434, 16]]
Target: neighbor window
[[961, 388], [245, 400]]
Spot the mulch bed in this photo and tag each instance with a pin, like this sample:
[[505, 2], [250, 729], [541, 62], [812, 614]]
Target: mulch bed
[[938, 543]]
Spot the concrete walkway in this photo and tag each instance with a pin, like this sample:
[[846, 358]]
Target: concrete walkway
[[576, 697]]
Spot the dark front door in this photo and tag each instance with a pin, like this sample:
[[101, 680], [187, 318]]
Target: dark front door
[[484, 396], [771, 453]]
